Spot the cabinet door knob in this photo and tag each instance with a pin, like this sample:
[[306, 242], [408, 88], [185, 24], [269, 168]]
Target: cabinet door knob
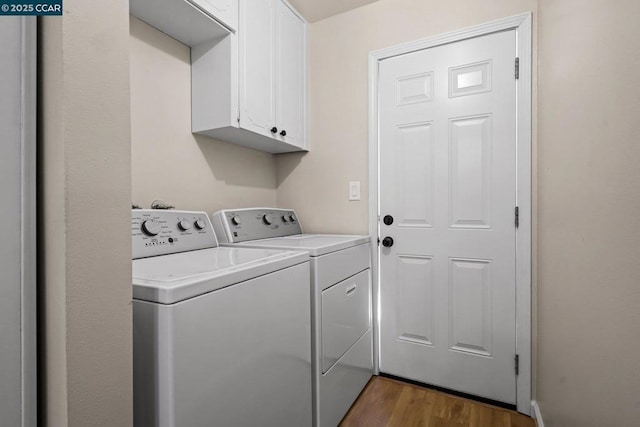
[[387, 242], [388, 220], [274, 129], [283, 133]]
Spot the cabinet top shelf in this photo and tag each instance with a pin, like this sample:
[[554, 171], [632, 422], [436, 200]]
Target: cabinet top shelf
[[180, 19]]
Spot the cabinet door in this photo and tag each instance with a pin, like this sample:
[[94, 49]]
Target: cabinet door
[[290, 75], [257, 53], [225, 11]]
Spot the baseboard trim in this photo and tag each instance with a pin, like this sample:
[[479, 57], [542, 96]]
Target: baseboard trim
[[537, 415]]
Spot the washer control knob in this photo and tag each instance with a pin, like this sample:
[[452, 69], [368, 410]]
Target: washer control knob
[[285, 218], [267, 218], [293, 218], [151, 227], [184, 225], [235, 220], [200, 224]]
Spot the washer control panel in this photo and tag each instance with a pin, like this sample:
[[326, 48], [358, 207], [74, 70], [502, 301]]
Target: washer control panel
[[241, 225], [162, 232]]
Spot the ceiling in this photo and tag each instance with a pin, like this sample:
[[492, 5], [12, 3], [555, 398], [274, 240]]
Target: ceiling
[[315, 10]]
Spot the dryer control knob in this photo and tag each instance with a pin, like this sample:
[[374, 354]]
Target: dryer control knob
[[151, 227], [184, 225], [267, 219], [293, 218], [285, 218], [235, 220], [200, 224]]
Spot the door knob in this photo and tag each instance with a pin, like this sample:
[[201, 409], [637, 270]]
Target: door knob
[[283, 133], [388, 220], [274, 129], [387, 242]]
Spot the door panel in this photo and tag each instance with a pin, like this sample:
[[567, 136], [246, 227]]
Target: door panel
[[415, 174], [257, 53], [470, 306], [290, 98], [415, 283], [447, 176], [470, 172]]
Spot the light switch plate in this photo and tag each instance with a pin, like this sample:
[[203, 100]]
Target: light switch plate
[[354, 190]]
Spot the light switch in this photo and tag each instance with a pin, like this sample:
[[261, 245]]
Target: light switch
[[354, 190]]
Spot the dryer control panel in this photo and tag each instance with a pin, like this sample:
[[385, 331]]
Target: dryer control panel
[[163, 232], [241, 225]]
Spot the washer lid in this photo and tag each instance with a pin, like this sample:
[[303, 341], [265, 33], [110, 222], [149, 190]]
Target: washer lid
[[315, 244], [168, 279]]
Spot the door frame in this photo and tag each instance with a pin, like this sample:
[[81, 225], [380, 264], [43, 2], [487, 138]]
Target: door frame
[[21, 72], [522, 24]]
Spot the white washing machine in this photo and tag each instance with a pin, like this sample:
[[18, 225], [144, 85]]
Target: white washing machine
[[222, 336], [340, 300]]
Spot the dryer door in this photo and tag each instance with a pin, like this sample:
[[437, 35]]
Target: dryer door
[[346, 316]]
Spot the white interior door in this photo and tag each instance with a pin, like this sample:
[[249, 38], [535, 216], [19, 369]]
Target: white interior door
[[448, 178]]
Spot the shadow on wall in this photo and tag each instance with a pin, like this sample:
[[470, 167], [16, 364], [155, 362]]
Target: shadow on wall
[[236, 165], [286, 164]]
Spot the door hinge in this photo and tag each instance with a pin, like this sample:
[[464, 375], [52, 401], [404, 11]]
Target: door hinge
[[517, 68], [517, 364], [517, 217]]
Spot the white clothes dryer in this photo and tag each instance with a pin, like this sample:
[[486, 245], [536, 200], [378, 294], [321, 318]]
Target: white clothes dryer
[[341, 305], [221, 335]]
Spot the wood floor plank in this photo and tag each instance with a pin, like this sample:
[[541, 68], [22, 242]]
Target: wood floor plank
[[519, 420], [480, 416], [388, 402], [374, 409], [403, 414]]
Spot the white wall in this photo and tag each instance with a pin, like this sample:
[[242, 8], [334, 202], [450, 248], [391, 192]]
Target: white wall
[[589, 213], [169, 162], [316, 184], [85, 192]]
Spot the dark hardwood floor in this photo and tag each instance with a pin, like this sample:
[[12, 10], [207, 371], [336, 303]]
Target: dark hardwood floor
[[387, 402]]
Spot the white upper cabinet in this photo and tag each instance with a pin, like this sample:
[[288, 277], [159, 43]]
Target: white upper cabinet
[[249, 88], [226, 11], [191, 22], [248, 68]]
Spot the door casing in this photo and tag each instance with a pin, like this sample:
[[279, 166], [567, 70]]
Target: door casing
[[522, 24], [19, 72]]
